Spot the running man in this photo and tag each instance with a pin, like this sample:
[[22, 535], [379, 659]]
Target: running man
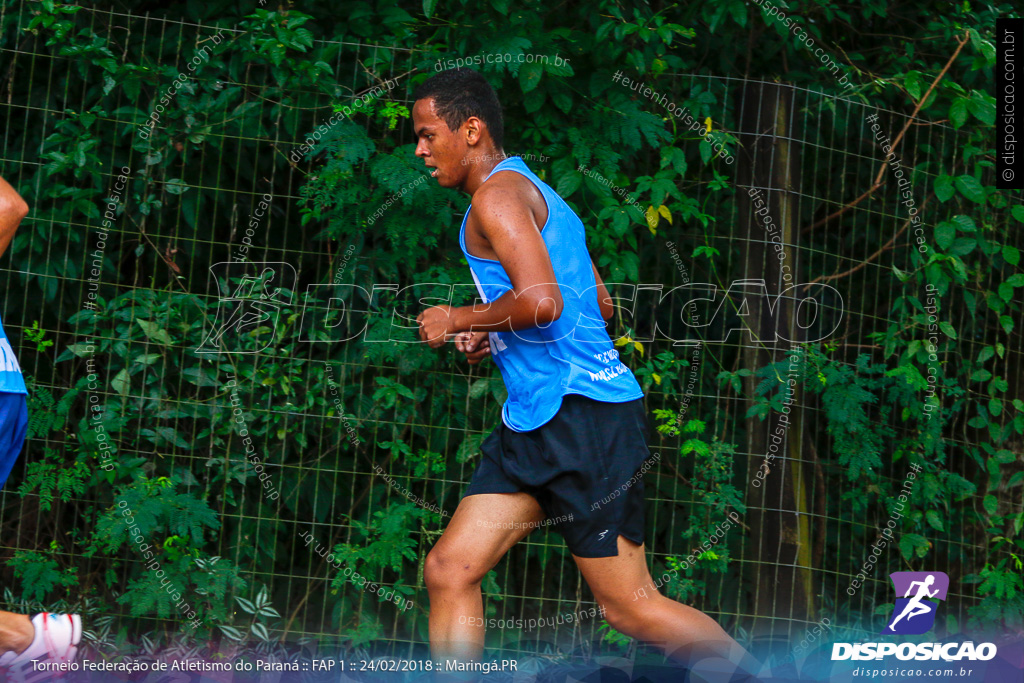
[[44, 636], [574, 427], [915, 607]]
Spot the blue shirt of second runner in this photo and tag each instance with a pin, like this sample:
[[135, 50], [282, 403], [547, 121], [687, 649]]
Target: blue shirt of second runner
[[572, 355]]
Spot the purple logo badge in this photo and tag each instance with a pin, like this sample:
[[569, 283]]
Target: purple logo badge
[[915, 610]]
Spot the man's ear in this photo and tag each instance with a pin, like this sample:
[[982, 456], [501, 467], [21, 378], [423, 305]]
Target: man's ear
[[474, 128]]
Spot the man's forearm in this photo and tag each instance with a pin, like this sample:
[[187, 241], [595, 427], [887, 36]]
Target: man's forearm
[[506, 313], [12, 209]]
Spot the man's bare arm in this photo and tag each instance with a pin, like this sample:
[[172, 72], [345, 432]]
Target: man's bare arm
[[508, 224], [12, 209], [604, 301]]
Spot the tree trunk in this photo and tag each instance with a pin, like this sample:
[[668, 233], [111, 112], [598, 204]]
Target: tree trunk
[[778, 569]]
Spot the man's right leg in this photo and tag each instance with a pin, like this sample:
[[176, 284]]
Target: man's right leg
[[481, 531]]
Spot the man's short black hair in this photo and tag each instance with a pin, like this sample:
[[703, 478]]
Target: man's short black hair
[[461, 93]]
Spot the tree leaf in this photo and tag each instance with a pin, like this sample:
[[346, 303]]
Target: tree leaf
[[176, 186], [155, 332], [944, 189], [79, 349], [958, 112], [990, 504], [971, 188], [199, 377], [945, 233], [963, 246], [663, 210], [530, 76], [121, 382], [912, 82], [964, 223], [652, 217], [983, 106]]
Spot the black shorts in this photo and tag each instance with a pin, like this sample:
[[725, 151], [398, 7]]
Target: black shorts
[[580, 467]]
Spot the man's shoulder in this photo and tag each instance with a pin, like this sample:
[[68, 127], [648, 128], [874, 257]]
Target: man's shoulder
[[506, 190], [503, 181]]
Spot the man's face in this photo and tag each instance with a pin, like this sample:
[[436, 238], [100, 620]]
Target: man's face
[[443, 150]]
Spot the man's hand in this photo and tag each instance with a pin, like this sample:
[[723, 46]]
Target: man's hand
[[476, 345], [435, 325]]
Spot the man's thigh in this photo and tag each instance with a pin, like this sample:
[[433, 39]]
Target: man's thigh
[[614, 580], [485, 526]]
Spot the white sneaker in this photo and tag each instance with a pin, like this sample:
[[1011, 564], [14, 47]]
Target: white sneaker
[[55, 642]]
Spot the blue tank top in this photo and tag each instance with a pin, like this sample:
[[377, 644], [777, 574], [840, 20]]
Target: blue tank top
[[572, 355], [11, 380]]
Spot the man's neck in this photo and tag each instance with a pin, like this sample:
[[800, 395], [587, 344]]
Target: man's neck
[[483, 164]]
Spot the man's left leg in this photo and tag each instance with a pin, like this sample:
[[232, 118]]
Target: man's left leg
[[683, 633]]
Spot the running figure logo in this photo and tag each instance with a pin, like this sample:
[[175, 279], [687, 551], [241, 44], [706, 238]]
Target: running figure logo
[[915, 613], [246, 319]]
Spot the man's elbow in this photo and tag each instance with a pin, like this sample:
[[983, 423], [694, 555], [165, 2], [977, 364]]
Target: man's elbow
[[13, 208], [549, 309]]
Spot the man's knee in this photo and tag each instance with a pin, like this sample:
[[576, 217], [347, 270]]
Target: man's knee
[[625, 616], [447, 570]]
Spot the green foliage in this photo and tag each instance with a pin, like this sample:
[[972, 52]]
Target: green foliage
[[47, 479], [179, 460], [40, 573]]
